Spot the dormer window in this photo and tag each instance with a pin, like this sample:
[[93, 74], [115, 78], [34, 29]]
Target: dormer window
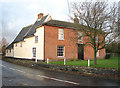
[[60, 34], [36, 39]]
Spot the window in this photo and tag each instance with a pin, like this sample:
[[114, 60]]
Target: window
[[60, 50], [96, 38], [10, 50], [20, 44], [80, 36], [34, 52], [97, 54], [16, 44], [36, 38], [60, 34]]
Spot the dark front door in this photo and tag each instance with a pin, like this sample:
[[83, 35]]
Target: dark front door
[[81, 51]]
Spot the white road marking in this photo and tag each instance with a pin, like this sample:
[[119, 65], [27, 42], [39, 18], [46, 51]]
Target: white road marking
[[46, 77], [20, 70], [58, 80], [2, 65], [17, 70], [64, 81], [72, 82], [12, 68]]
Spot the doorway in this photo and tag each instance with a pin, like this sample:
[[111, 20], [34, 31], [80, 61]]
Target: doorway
[[81, 51]]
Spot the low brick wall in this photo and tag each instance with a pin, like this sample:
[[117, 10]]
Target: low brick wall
[[86, 71], [89, 71]]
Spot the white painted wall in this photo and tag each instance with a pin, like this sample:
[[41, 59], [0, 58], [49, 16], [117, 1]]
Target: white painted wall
[[8, 53], [40, 44], [26, 50]]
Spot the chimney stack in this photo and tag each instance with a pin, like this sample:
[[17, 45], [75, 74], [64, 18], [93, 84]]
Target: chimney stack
[[76, 20], [40, 15]]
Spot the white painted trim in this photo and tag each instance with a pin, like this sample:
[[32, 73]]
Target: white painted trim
[[48, 18], [98, 53], [82, 36], [32, 51], [59, 33], [63, 52]]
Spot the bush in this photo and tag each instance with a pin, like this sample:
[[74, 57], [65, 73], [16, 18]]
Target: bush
[[107, 56]]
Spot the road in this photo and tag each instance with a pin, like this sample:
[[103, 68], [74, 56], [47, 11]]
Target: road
[[15, 75]]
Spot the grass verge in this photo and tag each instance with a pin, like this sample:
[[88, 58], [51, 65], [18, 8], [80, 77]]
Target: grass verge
[[103, 63]]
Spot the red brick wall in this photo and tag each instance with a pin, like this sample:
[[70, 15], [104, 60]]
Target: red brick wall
[[71, 48]]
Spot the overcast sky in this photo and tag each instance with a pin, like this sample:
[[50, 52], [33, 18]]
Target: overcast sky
[[16, 14]]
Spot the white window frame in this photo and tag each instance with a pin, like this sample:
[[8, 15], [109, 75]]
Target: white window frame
[[63, 51], [96, 38], [20, 44], [35, 52], [10, 50], [36, 39], [98, 53], [16, 44], [60, 34], [80, 34]]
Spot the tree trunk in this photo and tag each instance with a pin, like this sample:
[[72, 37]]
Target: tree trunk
[[95, 61]]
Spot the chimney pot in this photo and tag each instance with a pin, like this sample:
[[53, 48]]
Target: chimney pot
[[40, 15]]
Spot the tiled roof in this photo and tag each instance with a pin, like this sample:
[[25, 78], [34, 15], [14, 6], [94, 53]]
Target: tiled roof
[[69, 25], [27, 31], [20, 36], [32, 30], [10, 46], [62, 24]]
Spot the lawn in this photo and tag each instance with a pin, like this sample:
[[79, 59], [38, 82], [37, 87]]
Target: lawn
[[104, 63]]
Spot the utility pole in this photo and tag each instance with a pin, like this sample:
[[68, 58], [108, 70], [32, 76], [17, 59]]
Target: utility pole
[[68, 6]]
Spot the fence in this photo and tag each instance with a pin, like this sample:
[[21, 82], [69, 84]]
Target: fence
[[87, 63]]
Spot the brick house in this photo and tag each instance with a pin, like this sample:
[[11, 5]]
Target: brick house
[[53, 39]]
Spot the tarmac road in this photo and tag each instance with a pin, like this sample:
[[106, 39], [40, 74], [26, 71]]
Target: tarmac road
[[15, 75]]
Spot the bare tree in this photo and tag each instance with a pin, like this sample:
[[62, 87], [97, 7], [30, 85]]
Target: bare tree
[[3, 45], [99, 18]]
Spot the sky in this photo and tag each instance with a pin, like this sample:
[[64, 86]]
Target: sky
[[16, 14]]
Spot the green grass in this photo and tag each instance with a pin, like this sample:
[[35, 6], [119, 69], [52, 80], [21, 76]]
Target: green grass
[[103, 63]]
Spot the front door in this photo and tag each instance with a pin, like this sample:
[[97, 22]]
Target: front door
[[80, 51]]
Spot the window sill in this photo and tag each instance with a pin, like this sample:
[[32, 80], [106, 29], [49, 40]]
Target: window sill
[[80, 40], [60, 56], [60, 39]]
